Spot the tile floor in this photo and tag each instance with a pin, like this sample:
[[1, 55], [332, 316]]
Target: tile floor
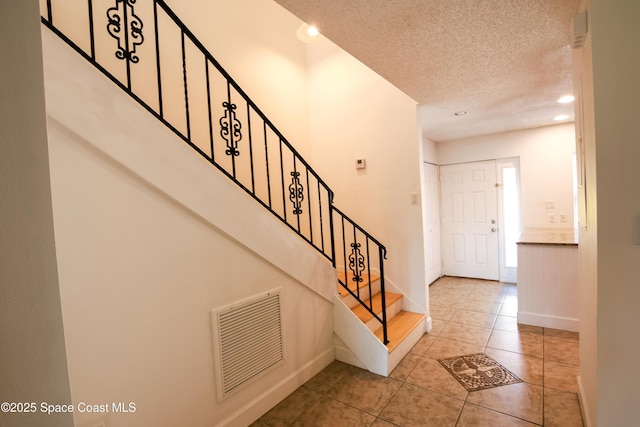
[[469, 316]]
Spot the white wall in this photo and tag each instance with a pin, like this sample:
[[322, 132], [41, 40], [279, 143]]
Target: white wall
[[430, 151], [255, 41], [33, 365], [150, 239], [355, 113], [588, 248], [608, 70], [545, 168]]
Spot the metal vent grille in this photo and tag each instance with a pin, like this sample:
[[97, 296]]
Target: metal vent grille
[[579, 30], [249, 340]]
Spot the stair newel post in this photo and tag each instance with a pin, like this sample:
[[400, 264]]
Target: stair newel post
[[383, 255]]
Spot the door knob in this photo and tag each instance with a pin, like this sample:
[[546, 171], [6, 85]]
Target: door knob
[[493, 229]]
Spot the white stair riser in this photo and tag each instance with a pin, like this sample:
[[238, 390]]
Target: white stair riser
[[396, 356], [364, 294], [373, 324]]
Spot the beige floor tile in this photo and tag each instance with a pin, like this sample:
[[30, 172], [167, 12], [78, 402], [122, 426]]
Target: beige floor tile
[[474, 318], [510, 289], [430, 374], [457, 302], [565, 351], [560, 376], [522, 400], [441, 312], [493, 298], [466, 333], [565, 335], [421, 392], [490, 294], [475, 416], [415, 406], [506, 323], [528, 368], [406, 365], [379, 422], [330, 376], [561, 409], [437, 326], [509, 310], [510, 300], [447, 299], [365, 391], [524, 343], [331, 413], [482, 306], [424, 343], [443, 348], [530, 329], [287, 411]]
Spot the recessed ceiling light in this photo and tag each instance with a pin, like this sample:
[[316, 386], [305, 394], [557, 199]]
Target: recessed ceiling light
[[460, 113], [566, 99], [560, 117], [308, 33]]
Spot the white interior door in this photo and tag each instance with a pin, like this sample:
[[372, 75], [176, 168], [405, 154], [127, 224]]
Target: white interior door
[[433, 259], [469, 220]]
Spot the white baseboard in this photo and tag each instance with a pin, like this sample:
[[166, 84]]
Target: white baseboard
[[583, 403], [547, 321], [270, 398]]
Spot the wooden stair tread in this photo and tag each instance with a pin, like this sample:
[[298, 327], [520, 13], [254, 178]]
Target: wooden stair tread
[[376, 302], [399, 327], [353, 286]]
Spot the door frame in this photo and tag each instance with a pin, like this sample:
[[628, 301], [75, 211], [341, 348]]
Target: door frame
[[434, 213], [507, 274], [504, 274]]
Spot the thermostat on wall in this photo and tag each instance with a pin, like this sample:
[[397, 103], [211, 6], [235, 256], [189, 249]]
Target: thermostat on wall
[[361, 164]]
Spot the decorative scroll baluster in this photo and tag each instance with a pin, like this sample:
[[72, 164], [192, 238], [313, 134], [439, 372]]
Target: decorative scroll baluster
[[131, 36], [296, 193], [230, 129], [356, 262], [126, 28]]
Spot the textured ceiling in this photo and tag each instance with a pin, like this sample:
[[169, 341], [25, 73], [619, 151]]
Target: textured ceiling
[[506, 62]]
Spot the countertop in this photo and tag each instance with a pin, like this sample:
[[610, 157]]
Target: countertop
[[548, 236]]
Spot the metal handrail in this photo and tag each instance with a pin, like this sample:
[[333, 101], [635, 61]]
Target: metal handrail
[[240, 140]]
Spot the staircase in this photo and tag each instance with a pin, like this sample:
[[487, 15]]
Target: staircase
[[226, 128], [404, 328]]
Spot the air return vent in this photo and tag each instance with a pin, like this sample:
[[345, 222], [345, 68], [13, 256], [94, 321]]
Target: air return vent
[[247, 340], [579, 30]]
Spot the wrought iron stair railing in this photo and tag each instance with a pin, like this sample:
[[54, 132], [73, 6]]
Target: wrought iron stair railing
[[146, 50]]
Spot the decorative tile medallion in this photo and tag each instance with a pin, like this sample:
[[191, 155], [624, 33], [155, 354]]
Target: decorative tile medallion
[[478, 371]]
